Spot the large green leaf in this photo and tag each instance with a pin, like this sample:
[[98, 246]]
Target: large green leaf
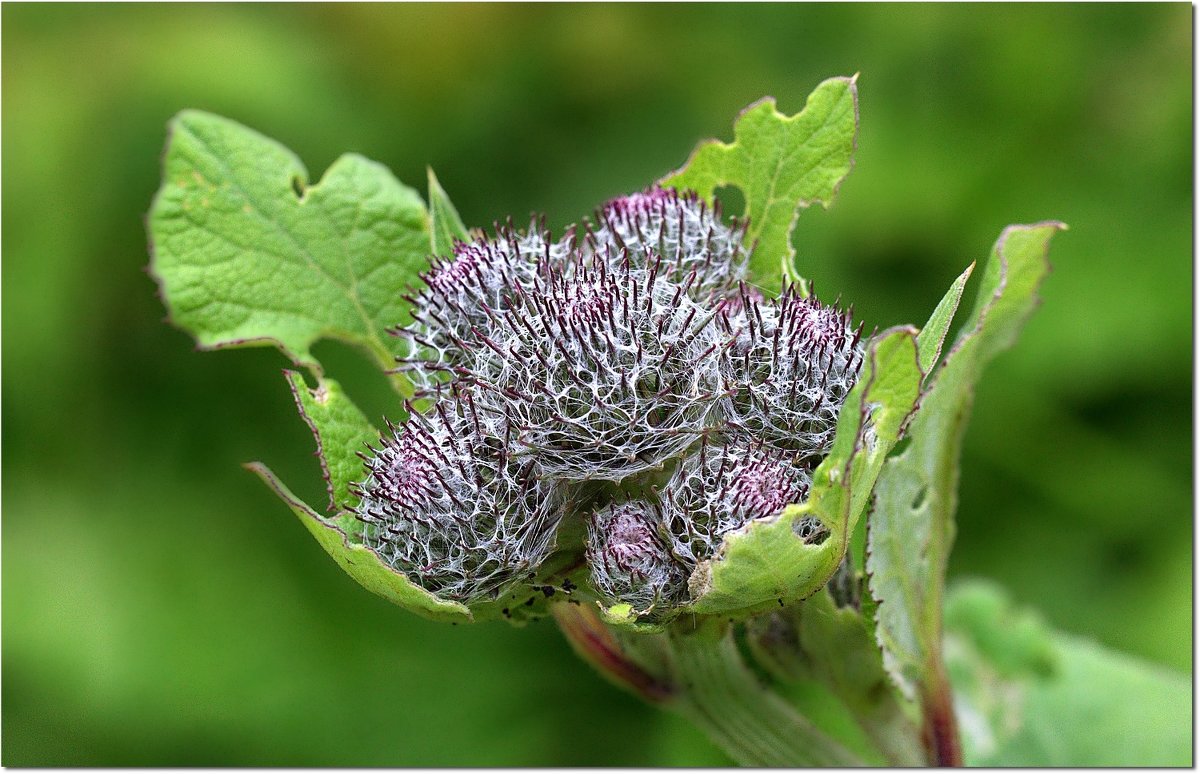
[[1029, 696], [247, 253], [781, 164], [912, 527]]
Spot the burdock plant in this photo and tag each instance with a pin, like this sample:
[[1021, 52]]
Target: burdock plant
[[647, 427]]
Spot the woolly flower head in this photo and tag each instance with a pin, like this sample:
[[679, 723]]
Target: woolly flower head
[[629, 559], [466, 292], [445, 504], [794, 363], [602, 372], [676, 234], [722, 487]]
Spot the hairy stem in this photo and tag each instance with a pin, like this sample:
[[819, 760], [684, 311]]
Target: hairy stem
[[752, 723], [820, 643], [595, 643], [699, 673]]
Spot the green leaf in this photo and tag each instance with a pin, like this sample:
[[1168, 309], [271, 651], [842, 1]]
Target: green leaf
[[912, 527], [246, 253], [818, 641], [1030, 696], [340, 430], [781, 164], [766, 564], [445, 225], [363, 564], [929, 341]]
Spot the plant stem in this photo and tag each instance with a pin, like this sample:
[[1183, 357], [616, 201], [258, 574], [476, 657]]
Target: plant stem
[[698, 672], [753, 724], [891, 730], [594, 643], [941, 726]]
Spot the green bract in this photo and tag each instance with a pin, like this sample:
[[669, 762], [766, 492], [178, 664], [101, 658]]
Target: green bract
[[766, 564]]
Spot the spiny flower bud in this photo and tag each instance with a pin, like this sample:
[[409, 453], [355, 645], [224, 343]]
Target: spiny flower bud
[[794, 363], [629, 559], [603, 373], [445, 504], [722, 487], [467, 292], [678, 229]]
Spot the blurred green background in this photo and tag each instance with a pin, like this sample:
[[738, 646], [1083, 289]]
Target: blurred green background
[[161, 607]]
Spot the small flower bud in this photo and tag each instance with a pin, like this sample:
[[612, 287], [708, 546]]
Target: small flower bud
[[720, 488], [629, 559]]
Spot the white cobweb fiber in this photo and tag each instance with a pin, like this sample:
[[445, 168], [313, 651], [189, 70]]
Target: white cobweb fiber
[[602, 372], [629, 358], [467, 292], [677, 234], [794, 363]]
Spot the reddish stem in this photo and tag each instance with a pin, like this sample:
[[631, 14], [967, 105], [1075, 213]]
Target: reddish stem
[[941, 726], [592, 640]]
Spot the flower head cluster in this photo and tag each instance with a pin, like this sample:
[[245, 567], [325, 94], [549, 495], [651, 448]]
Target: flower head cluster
[[626, 353]]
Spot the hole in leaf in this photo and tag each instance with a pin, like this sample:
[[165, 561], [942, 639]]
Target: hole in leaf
[[919, 500], [811, 530], [733, 202], [298, 187]]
